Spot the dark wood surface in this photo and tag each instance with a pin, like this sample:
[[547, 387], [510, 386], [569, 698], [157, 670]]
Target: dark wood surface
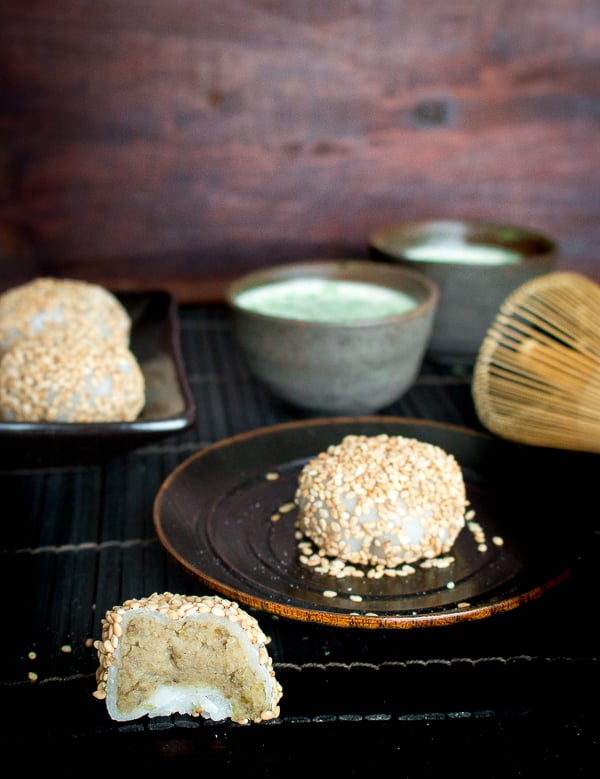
[[176, 144]]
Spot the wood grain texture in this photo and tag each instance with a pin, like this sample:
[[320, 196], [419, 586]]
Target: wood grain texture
[[150, 144]]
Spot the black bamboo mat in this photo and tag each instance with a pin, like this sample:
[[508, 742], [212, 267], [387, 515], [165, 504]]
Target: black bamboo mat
[[78, 539]]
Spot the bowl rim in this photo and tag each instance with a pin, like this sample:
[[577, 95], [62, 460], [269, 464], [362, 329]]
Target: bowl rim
[[350, 269], [533, 246]]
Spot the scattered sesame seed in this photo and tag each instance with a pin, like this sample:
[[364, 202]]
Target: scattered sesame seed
[[478, 535], [32, 655], [330, 593], [66, 648], [438, 562], [287, 507], [32, 676], [271, 476]]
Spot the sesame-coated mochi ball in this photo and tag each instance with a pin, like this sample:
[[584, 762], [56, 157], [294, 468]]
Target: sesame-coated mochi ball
[[47, 303], [201, 655], [70, 376], [382, 500]]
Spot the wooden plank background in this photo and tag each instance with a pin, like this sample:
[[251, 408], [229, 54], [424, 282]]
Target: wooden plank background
[[178, 143]]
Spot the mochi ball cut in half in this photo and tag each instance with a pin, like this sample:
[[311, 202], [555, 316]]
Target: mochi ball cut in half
[[198, 655]]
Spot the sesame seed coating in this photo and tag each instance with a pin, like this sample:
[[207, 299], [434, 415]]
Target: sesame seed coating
[[198, 655], [381, 500], [70, 376], [48, 303]]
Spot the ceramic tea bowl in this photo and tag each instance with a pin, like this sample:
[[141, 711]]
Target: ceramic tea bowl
[[475, 265], [338, 336]]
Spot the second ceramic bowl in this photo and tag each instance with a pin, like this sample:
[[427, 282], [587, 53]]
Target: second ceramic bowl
[[475, 265]]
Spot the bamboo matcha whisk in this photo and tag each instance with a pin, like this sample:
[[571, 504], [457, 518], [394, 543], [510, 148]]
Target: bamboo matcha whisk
[[536, 379]]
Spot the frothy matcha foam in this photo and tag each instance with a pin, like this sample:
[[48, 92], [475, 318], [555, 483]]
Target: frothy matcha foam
[[468, 253], [325, 300]]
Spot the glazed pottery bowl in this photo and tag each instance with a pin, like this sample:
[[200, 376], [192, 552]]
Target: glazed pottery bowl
[[338, 336], [475, 265]]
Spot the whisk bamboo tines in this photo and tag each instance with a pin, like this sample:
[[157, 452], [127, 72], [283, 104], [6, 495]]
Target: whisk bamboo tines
[[536, 379]]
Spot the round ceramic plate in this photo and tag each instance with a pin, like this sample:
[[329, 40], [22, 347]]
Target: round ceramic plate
[[218, 514]]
